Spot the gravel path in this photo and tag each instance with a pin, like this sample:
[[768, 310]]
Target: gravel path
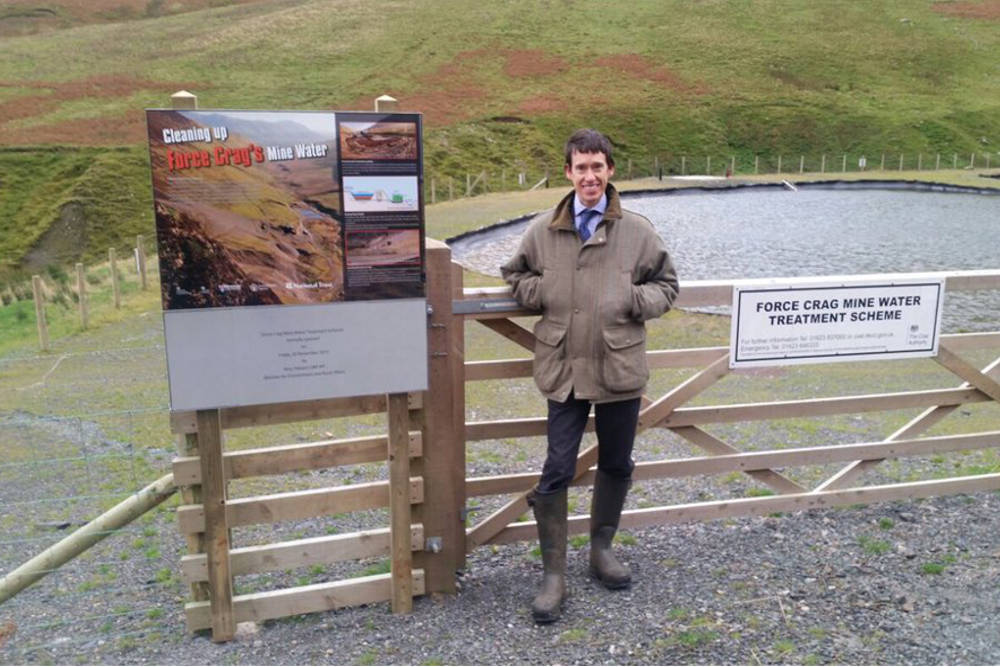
[[903, 583]]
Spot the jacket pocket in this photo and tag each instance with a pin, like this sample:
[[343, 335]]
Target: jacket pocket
[[624, 364], [550, 354]]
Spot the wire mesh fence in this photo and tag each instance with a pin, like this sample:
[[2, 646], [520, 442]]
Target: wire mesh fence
[[444, 187], [79, 432]]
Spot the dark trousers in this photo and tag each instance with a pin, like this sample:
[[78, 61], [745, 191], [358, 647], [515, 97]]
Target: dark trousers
[[615, 425]]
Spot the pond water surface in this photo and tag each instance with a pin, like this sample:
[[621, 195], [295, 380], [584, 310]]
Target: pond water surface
[[758, 233]]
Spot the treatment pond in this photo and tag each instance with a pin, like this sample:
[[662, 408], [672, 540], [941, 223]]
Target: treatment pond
[[830, 229]]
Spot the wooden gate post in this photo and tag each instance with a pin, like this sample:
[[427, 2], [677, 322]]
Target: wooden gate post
[[442, 465], [213, 485]]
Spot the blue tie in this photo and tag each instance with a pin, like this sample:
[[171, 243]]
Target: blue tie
[[585, 219]]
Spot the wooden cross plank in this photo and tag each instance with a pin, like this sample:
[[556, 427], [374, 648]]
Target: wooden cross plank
[[925, 420], [717, 447]]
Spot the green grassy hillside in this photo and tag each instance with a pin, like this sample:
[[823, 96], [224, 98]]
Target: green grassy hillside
[[500, 84]]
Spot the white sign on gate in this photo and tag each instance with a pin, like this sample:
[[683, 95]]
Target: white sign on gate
[[797, 322]]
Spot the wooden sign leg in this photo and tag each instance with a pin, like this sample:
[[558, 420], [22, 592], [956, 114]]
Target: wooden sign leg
[[213, 487], [399, 503]]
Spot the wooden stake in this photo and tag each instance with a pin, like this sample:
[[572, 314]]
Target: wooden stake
[[140, 260], [43, 330], [822, 164], [81, 292], [116, 290], [399, 504]]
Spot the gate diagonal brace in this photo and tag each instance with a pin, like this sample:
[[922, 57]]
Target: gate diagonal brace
[[490, 527], [918, 424], [511, 331]]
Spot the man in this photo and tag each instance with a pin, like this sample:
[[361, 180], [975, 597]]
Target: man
[[597, 273]]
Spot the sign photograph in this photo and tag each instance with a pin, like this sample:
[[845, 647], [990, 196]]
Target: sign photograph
[[287, 241], [777, 324]]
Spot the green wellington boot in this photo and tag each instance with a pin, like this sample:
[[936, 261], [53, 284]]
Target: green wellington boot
[[605, 511], [550, 513]]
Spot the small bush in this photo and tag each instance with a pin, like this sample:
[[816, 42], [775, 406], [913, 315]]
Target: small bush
[[57, 273]]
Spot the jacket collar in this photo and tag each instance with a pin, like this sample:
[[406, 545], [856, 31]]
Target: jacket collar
[[564, 218]]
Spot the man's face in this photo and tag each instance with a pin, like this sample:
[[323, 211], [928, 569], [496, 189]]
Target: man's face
[[589, 173]]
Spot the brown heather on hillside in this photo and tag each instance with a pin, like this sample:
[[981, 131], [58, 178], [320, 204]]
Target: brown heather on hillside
[[25, 17], [984, 9], [128, 128]]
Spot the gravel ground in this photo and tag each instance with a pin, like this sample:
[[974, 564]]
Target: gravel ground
[[901, 583]]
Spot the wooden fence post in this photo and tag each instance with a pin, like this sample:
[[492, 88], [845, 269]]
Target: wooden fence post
[[882, 168], [140, 260], [920, 161], [732, 165], [81, 292], [444, 447], [399, 503], [937, 162], [822, 164], [900, 162], [843, 164], [683, 165], [779, 164], [708, 165], [115, 289], [802, 163], [43, 330], [213, 483]]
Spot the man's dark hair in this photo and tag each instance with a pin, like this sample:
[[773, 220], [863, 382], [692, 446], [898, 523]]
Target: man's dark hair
[[589, 141]]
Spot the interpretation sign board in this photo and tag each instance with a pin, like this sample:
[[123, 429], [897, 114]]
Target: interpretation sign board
[[291, 249], [801, 322]]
